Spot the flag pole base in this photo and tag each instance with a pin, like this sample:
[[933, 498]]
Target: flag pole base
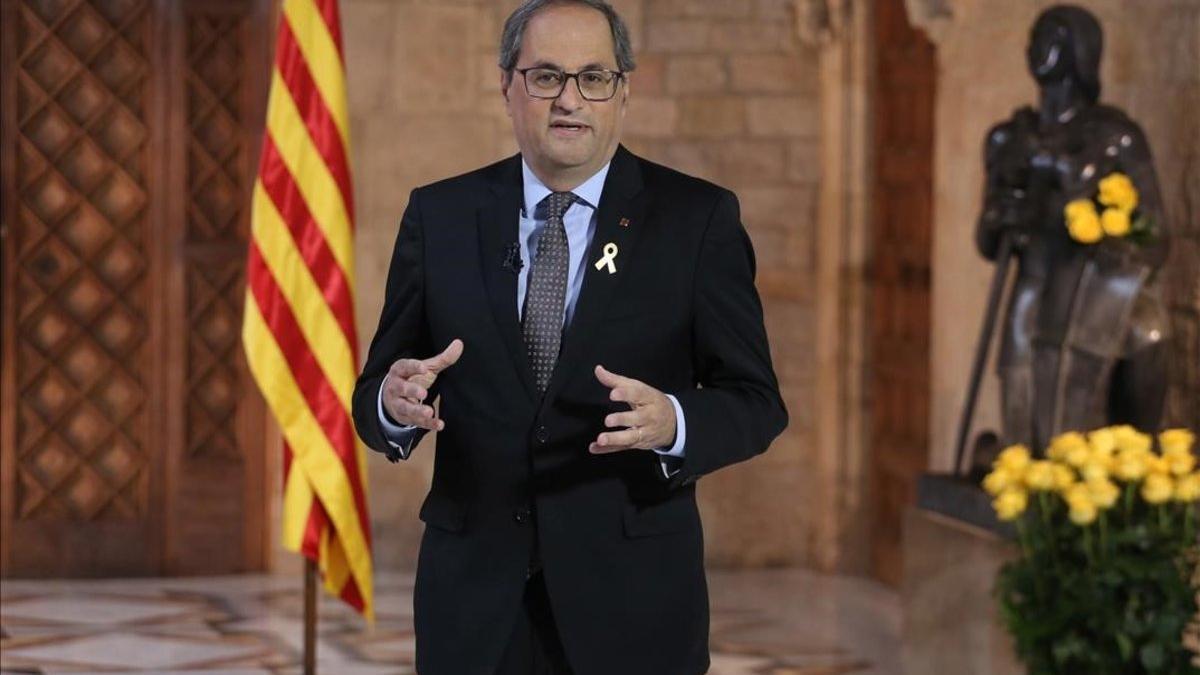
[[310, 616]]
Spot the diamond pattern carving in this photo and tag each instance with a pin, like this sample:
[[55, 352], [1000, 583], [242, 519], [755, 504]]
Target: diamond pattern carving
[[81, 75], [85, 230], [119, 332], [50, 395], [48, 329], [216, 220], [85, 298]]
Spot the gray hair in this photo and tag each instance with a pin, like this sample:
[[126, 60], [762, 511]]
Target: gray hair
[[514, 31]]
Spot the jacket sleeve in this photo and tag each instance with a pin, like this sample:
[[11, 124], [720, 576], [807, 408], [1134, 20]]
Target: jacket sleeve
[[402, 331], [736, 410]]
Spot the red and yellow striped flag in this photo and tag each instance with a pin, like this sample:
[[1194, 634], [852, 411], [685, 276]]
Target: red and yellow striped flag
[[298, 329]]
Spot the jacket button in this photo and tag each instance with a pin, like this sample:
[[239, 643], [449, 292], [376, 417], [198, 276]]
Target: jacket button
[[521, 515], [540, 434]]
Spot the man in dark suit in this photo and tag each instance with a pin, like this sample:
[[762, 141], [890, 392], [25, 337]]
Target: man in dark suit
[[598, 345]]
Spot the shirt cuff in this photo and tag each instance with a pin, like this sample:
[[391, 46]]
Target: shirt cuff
[[399, 436], [669, 458]]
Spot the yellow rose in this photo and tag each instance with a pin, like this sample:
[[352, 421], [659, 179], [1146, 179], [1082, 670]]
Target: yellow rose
[[999, 480], [1130, 466], [1158, 488], [1077, 492], [1064, 477], [1104, 492], [1096, 468], [1115, 222], [1117, 190], [1040, 475], [1179, 462], [1128, 438], [1103, 440], [1156, 464], [1083, 222], [1077, 207], [1082, 509], [1014, 458], [1010, 504], [1062, 442], [1187, 488], [1180, 440], [1078, 455]]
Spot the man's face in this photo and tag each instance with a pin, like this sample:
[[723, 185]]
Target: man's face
[[569, 136]]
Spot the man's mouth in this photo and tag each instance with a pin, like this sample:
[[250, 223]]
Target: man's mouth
[[569, 127]]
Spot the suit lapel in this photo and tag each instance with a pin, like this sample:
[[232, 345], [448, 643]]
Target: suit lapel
[[621, 200], [499, 228]]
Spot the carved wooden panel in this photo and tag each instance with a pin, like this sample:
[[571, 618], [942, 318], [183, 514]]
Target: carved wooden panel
[[76, 145], [216, 214], [129, 442], [900, 271], [220, 469]]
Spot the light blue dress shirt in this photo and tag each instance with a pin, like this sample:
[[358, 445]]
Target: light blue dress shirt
[[580, 223]]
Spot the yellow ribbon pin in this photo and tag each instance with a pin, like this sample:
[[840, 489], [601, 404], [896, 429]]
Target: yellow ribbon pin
[[610, 255]]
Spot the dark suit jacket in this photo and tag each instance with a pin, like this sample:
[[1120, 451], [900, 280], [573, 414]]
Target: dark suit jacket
[[621, 546]]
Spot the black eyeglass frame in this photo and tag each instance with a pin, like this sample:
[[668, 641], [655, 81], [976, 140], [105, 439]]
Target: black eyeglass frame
[[620, 76]]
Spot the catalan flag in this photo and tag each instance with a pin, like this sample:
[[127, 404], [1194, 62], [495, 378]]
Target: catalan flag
[[298, 328]]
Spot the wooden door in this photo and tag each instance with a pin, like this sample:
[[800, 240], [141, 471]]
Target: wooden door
[[131, 439], [901, 244]]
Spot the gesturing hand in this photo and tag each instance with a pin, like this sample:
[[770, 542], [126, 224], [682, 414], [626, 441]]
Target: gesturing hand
[[650, 423], [408, 383]]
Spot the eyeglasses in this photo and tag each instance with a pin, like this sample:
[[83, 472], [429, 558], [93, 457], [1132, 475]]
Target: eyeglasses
[[594, 85]]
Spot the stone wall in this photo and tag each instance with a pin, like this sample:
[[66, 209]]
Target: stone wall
[[723, 90], [1151, 68]]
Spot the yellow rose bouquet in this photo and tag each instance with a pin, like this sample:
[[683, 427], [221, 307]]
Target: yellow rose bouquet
[[1107, 529], [1111, 213]]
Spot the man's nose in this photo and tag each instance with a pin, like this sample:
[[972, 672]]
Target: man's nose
[[569, 100]]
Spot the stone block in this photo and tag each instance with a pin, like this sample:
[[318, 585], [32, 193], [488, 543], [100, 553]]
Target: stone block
[[487, 74], [751, 161], [432, 65], [789, 116], [712, 116], [753, 36], [770, 246], [651, 116], [779, 10], [650, 76], [717, 9], [804, 160], [369, 76], [773, 73], [677, 35], [631, 12], [788, 208], [951, 621], [696, 75], [691, 157]]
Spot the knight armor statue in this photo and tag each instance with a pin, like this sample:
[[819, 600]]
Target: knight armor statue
[[1083, 337]]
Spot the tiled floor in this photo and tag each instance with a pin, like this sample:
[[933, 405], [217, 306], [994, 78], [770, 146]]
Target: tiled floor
[[773, 622]]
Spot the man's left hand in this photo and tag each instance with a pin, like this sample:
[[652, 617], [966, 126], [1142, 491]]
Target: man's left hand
[[650, 424]]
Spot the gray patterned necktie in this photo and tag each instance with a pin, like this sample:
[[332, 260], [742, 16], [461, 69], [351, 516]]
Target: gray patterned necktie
[[546, 293]]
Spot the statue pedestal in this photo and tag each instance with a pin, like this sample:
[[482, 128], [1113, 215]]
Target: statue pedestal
[[951, 621]]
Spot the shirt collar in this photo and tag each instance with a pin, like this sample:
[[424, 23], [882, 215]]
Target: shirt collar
[[588, 192]]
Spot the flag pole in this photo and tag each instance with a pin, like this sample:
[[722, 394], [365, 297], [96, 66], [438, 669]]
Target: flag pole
[[310, 616]]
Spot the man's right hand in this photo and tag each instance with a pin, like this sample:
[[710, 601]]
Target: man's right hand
[[408, 383]]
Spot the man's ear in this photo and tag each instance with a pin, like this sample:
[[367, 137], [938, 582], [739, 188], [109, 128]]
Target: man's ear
[[505, 81]]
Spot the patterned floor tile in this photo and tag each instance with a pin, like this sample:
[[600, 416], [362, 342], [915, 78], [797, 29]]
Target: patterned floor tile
[[769, 622]]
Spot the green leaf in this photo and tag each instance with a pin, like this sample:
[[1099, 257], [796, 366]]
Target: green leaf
[[1152, 656], [1125, 645]]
